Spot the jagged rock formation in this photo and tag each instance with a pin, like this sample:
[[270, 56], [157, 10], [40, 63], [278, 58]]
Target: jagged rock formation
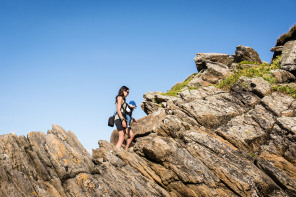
[[202, 58], [57, 165], [213, 67], [286, 46], [283, 76], [246, 54], [203, 142], [289, 57]]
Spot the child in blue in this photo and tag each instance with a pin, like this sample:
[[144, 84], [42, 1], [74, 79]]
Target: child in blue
[[129, 112]]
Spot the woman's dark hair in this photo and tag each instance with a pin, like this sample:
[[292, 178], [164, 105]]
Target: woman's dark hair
[[120, 92]]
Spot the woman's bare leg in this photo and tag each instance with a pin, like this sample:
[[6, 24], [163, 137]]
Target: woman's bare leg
[[130, 138], [120, 139]]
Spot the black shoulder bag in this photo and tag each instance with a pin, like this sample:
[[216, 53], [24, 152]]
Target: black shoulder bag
[[111, 121]]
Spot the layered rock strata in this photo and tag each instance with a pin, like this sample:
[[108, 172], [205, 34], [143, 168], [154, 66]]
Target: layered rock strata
[[245, 138], [212, 67], [202, 142], [286, 47]]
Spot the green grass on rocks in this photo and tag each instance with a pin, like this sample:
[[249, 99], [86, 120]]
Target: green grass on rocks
[[261, 70], [286, 89], [247, 69], [179, 86]]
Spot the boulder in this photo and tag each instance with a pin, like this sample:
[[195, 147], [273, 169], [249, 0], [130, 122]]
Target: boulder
[[243, 53], [277, 103], [283, 76], [212, 74], [198, 81], [250, 90], [288, 123], [201, 59], [243, 93], [282, 40], [149, 107], [150, 96], [290, 35], [277, 49], [258, 85], [288, 60], [215, 72]]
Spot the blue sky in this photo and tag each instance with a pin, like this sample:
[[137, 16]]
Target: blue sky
[[63, 62]]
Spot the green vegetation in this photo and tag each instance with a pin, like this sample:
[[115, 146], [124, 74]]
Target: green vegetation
[[179, 86], [252, 155], [243, 69], [192, 88], [247, 62], [261, 70], [286, 89]]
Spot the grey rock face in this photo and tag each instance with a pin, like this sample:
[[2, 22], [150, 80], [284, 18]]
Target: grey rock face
[[277, 49], [283, 76], [277, 103], [243, 53], [212, 73], [248, 131], [149, 107], [249, 121], [290, 35], [213, 111], [288, 61], [282, 40], [206, 142], [258, 86], [154, 101], [288, 123], [201, 59], [57, 165]]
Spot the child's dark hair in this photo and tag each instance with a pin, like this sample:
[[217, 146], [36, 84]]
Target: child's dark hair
[[120, 92]]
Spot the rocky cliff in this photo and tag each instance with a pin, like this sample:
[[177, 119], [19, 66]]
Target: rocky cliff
[[229, 130]]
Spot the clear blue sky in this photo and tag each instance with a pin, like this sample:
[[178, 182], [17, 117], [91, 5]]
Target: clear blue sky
[[63, 61]]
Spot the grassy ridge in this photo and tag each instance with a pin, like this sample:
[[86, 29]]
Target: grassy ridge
[[262, 70], [247, 69], [179, 86], [285, 89]]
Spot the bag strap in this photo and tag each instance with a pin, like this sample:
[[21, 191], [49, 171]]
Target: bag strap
[[124, 108]]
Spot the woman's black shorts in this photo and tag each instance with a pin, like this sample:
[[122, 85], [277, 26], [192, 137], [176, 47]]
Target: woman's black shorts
[[118, 124]]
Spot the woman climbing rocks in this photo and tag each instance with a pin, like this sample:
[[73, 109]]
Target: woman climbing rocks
[[120, 118]]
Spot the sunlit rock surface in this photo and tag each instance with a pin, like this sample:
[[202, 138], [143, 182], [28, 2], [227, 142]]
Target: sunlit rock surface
[[201, 142]]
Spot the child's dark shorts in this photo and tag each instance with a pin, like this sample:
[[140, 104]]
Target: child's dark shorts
[[118, 124]]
